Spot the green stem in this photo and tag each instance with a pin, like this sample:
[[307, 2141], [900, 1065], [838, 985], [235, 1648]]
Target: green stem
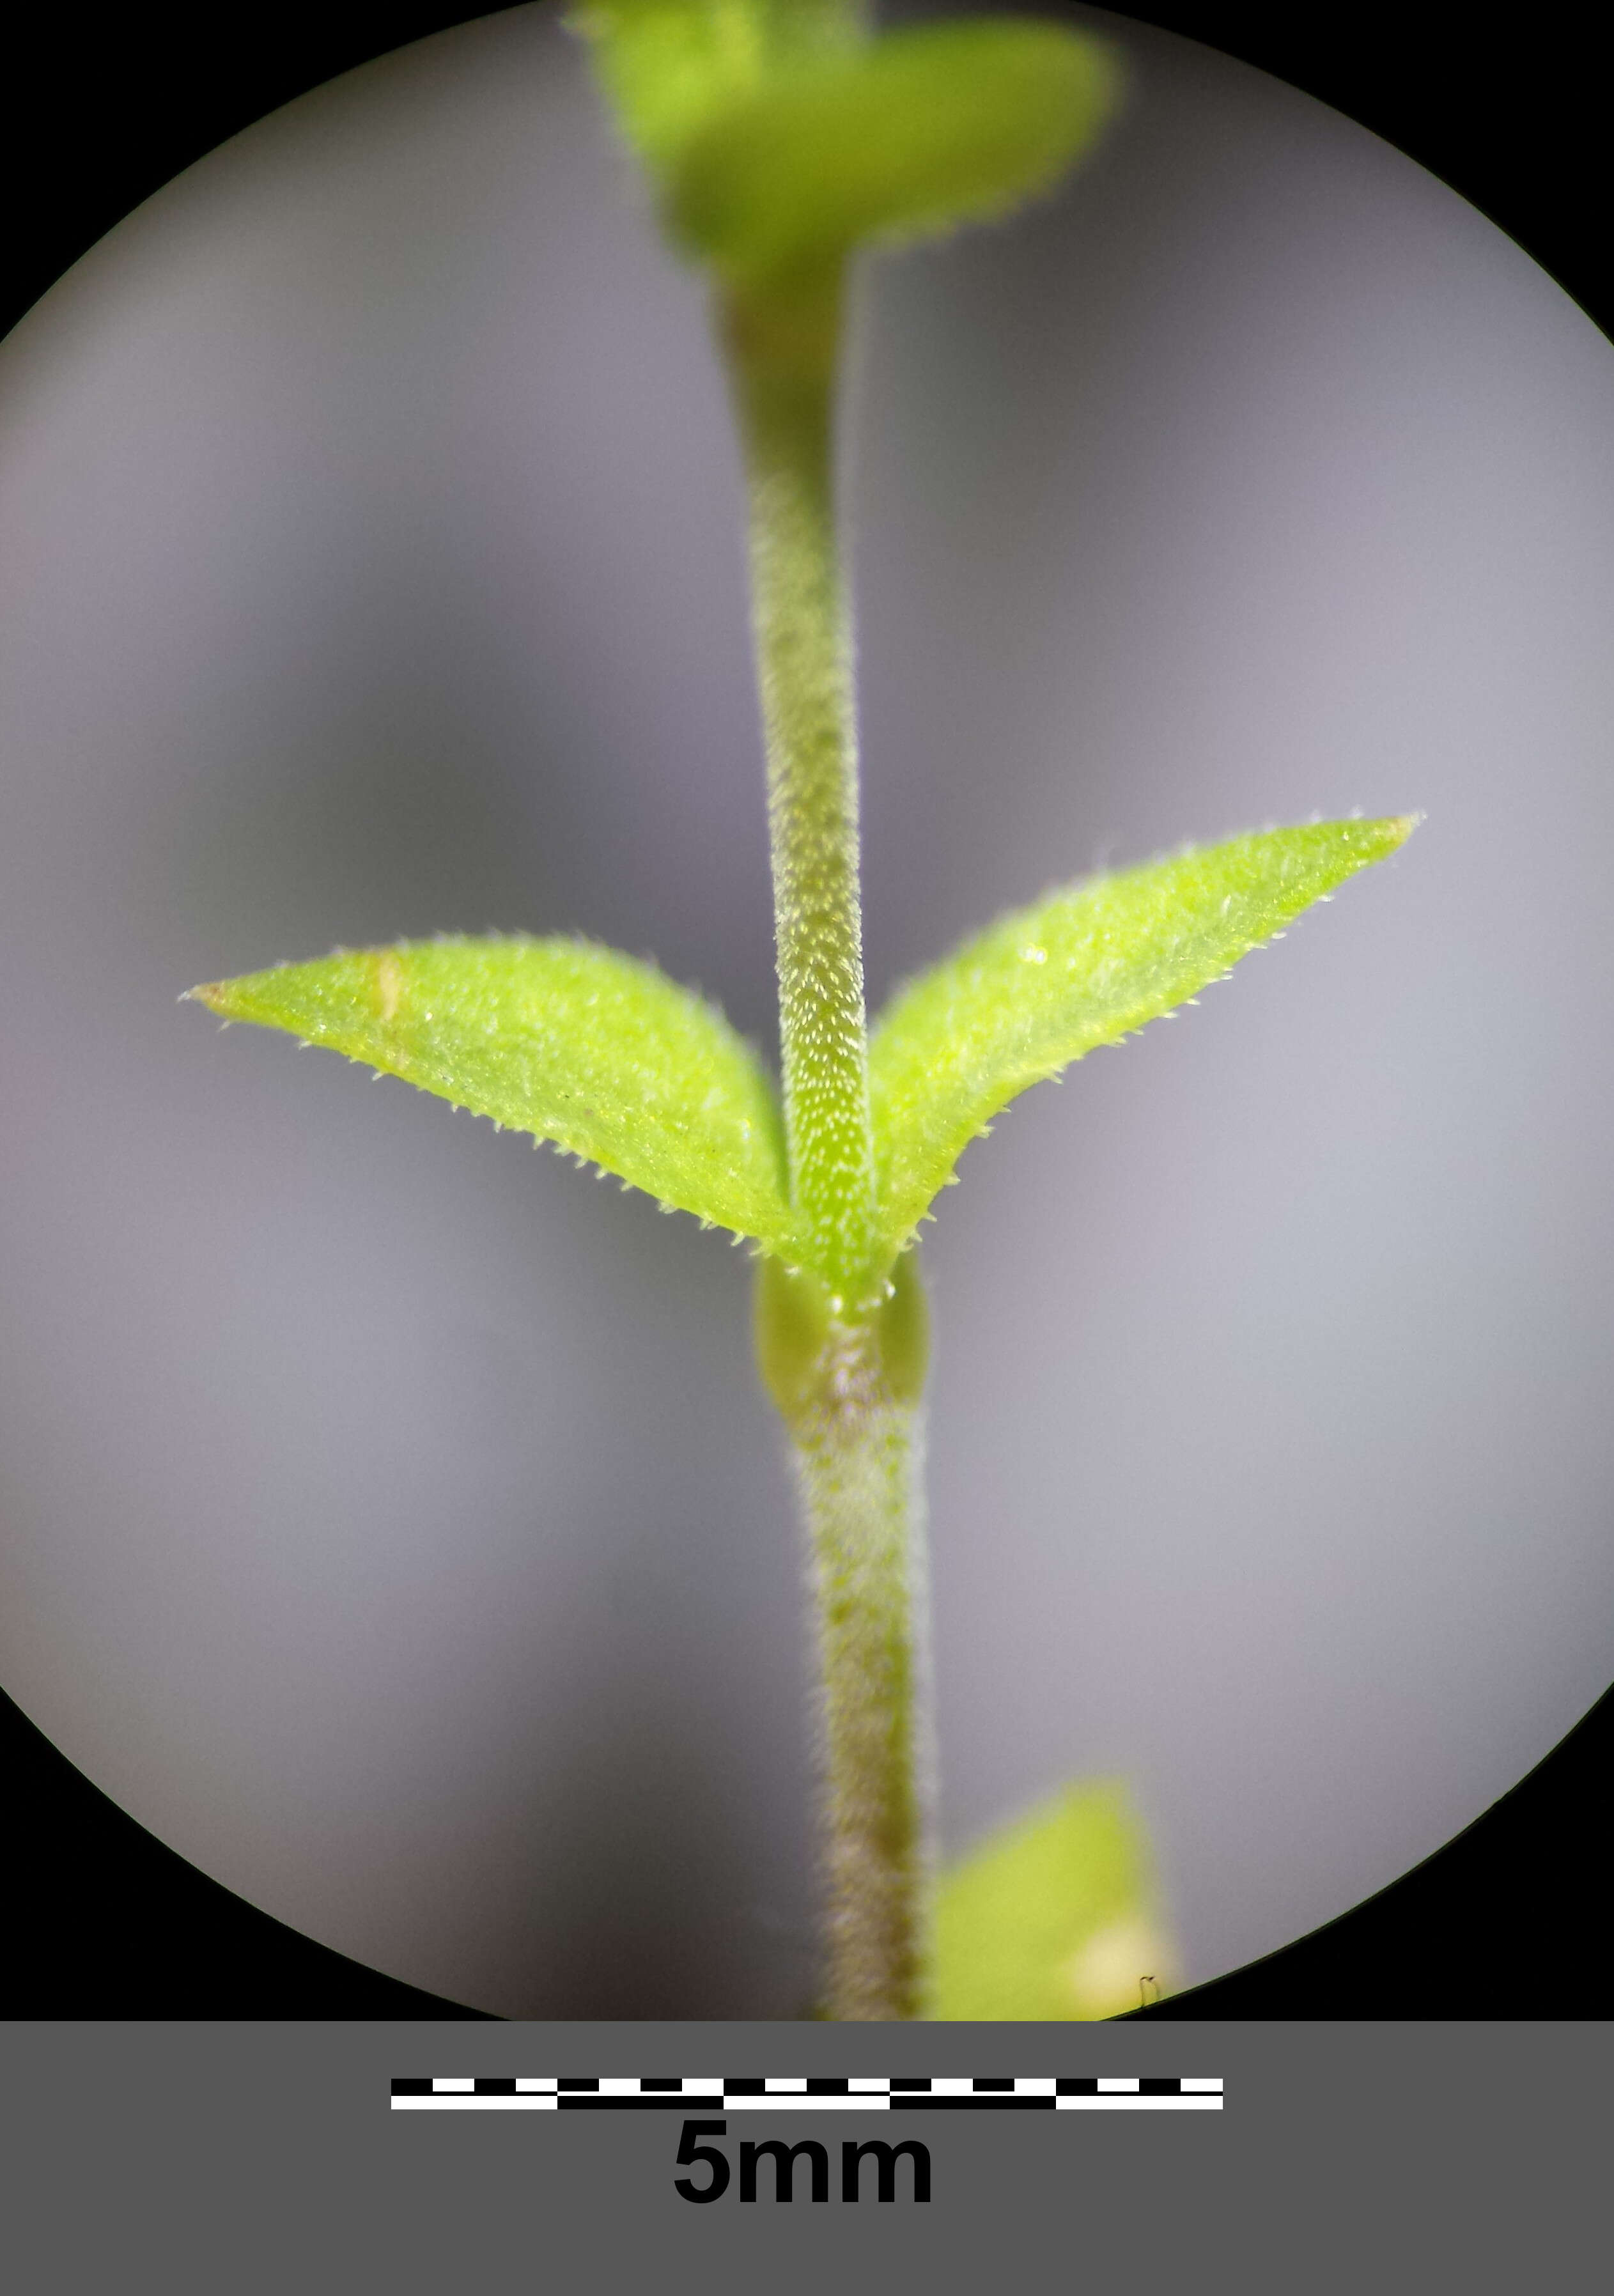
[[862, 1499], [849, 1396], [782, 359], [841, 1347]]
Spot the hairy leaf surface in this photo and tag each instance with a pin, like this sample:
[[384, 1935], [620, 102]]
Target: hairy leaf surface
[[578, 1045], [911, 136], [1083, 967], [1054, 1917]]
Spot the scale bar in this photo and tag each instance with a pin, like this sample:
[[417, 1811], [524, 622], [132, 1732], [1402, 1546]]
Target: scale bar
[[849, 2092]]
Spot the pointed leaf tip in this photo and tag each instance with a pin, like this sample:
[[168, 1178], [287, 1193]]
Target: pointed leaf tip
[[595, 1052], [1111, 953]]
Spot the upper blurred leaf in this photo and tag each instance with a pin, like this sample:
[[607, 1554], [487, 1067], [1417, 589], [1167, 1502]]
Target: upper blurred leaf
[[578, 1045], [1080, 968], [1054, 1917], [910, 135], [668, 65]]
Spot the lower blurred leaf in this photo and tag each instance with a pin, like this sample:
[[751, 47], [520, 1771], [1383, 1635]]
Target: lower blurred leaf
[[1055, 1918]]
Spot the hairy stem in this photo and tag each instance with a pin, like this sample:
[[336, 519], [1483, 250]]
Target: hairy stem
[[782, 357], [859, 1478], [849, 1396], [841, 1345]]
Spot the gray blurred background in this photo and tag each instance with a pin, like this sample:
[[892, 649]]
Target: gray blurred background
[[388, 1517]]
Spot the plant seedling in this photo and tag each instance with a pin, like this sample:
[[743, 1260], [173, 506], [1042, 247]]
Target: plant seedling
[[781, 137]]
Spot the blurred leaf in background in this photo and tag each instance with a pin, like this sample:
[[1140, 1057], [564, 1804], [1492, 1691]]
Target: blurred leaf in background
[[1055, 1918]]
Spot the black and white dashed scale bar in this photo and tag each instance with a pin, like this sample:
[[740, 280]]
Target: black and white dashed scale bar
[[853, 2093]]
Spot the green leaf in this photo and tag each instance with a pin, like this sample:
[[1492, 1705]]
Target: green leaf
[[578, 1045], [1055, 1918], [1083, 967], [668, 66], [910, 135]]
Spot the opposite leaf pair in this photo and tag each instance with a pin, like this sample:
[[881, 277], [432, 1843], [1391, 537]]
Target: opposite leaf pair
[[600, 1054], [779, 138], [781, 135]]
